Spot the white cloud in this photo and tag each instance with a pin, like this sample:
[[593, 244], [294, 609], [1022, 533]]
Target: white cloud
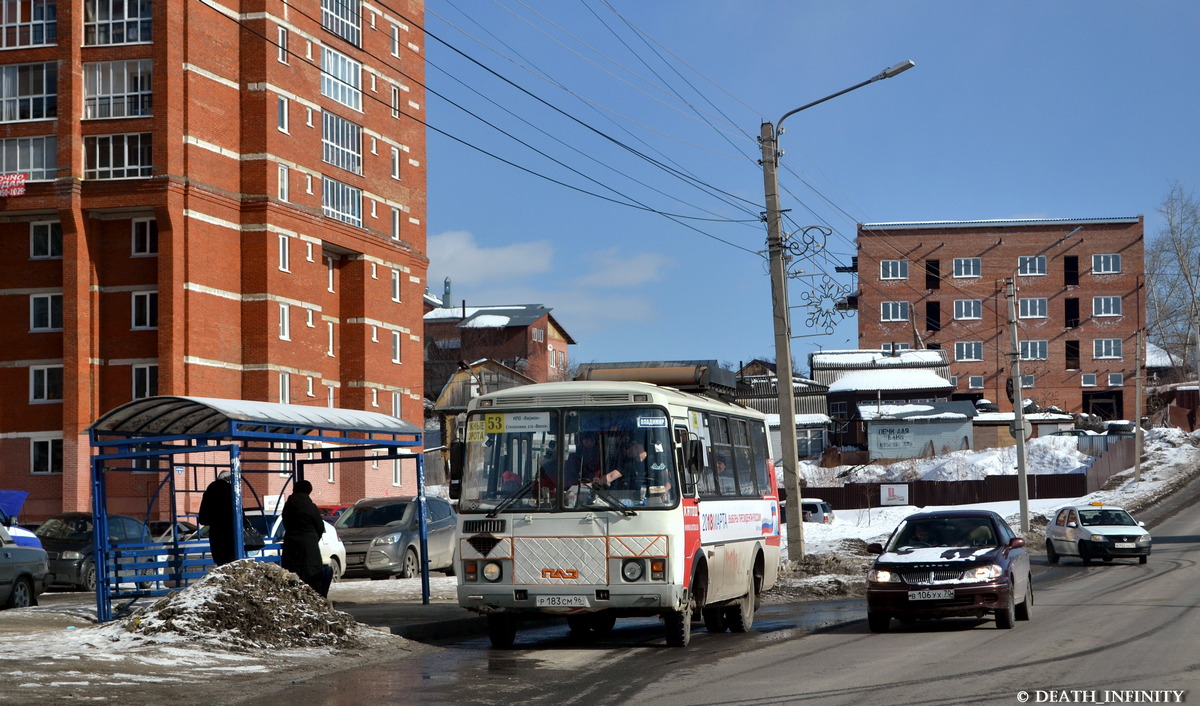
[[456, 254], [611, 268]]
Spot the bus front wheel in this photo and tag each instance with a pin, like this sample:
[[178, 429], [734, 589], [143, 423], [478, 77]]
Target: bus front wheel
[[502, 630]]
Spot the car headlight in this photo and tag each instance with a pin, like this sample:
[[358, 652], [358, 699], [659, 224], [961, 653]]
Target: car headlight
[[1144, 539], [984, 573], [883, 576], [1099, 538], [491, 571], [633, 570], [386, 539], [71, 555]]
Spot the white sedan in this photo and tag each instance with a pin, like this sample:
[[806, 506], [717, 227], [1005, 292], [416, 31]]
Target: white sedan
[[333, 552], [1096, 532]]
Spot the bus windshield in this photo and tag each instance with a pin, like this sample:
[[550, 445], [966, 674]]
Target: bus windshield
[[561, 460]]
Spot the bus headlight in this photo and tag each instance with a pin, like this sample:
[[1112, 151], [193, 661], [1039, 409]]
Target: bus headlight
[[633, 570], [491, 571]]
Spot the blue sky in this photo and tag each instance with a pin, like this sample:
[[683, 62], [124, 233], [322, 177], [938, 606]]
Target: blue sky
[[629, 109]]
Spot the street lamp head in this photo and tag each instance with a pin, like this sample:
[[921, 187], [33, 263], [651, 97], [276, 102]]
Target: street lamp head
[[897, 69]]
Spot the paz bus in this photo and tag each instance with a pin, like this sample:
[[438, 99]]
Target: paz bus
[[598, 500]]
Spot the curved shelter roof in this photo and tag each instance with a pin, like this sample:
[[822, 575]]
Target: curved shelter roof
[[178, 416]]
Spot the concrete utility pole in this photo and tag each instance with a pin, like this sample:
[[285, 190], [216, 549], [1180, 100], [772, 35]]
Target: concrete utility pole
[[1018, 427], [1138, 432], [769, 139]]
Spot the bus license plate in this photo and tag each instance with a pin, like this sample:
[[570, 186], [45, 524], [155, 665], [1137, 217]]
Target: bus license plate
[[1125, 545], [562, 602], [938, 595]]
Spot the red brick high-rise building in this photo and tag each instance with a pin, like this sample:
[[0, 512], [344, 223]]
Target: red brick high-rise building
[[218, 200], [1079, 305]]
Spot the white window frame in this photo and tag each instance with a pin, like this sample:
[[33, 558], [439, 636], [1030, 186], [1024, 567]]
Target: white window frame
[[118, 89], [35, 157], [968, 350], [1116, 379], [329, 339], [341, 78], [1027, 382], [1106, 306], [397, 405], [284, 183], [395, 285], [395, 39], [341, 143], [968, 309], [395, 224], [396, 102], [144, 381], [309, 390], [144, 314], [285, 388], [1087, 380], [119, 156], [42, 379], [285, 321], [53, 304], [975, 382], [1106, 264], [343, 18], [894, 347], [285, 253], [281, 36], [968, 267], [53, 452], [396, 163], [1031, 265], [1035, 350], [45, 239], [1107, 348], [1033, 308], [29, 91], [143, 234], [283, 111], [122, 22], [893, 311], [330, 267], [309, 318], [893, 269], [341, 202], [18, 28], [396, 347]]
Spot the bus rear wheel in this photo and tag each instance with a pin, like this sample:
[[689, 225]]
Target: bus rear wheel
[[740, 616]]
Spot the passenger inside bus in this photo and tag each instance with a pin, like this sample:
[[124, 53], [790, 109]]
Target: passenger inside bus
[[584, 461]]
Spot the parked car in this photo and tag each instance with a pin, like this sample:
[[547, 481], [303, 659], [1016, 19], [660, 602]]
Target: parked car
[[69, 541], [20, 535], [331, 513], [816, 510], [23, 572], [11, 502], [162, 530], [1096, 531], [333, 551], [1074, 432], [381, 537], [950, 563]]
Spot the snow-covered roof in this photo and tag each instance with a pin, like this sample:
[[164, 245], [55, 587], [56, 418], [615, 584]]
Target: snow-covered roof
[[1157, 357], [871, 380], [998, 223], [909, 412], [497, 316], [877, 358], [802, 420], [1031, 416]]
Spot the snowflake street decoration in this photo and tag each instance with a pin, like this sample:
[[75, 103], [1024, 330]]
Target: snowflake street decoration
[[821, 302]]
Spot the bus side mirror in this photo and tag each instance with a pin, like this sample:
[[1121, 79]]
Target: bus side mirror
[[457, 451]]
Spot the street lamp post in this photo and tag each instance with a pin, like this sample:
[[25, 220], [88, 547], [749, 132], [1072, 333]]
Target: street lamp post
[[769, 139]]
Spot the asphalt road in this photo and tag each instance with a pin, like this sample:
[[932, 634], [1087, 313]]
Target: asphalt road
[[1097, 632]]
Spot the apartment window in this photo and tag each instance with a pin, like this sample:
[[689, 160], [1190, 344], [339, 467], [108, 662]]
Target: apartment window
[[28, 92], [1071, 312], [116, 22], [395, 285], [975, 382], [118, 156], [1033, 265], [933, 316], [1106, 264], [341, 78], [285, 388], [837, 410], [1087, 380], [968, 267], [145, 310], [896, 347], [395, 162], [45, 240], [374, 146], [1035, 350], [1070, 270], [329, 338], [329, 397], [538, 335], [330, 269], [1033, 308], [118, 89], [395, 346], [968, 309], [46, 456], [968, 350], [396, 409], [1106, 348], [46, 383], [893, 269], [341, 143], [1071, 354], [285, 322], [285, 253], [309, 391], [308, 117], [375, 403], [31, 23], [308, 318], [343, 18], [395, 224], [1106, 306], [145, 381], [308, 183], [281, 114], [284, 182], [395, 102], [35, 157], [933, 274], [954, 381], [341, 201], [397, 473], [395, 45], [45, 312], [1026, 382], [144, 236], [893, 311], [282, 43], [1116, 379], [374, 204]]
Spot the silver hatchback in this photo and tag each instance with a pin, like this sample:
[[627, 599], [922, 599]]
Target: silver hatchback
[[382, 540]]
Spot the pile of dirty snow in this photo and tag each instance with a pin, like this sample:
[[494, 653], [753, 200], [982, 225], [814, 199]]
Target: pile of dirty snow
[[245, 605]]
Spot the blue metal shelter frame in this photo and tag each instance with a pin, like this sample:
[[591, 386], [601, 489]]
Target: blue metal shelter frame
[[243, 437]]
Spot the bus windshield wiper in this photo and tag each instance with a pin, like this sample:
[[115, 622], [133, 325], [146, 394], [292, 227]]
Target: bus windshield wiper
[[511, 498], [609, 499]]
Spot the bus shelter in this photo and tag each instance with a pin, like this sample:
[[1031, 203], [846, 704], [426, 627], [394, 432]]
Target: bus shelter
[[188, 442]]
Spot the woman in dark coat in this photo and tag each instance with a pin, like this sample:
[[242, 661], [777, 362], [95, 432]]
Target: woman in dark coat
[[302, 530]]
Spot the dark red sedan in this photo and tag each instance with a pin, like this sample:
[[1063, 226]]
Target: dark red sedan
[[950, 563]]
